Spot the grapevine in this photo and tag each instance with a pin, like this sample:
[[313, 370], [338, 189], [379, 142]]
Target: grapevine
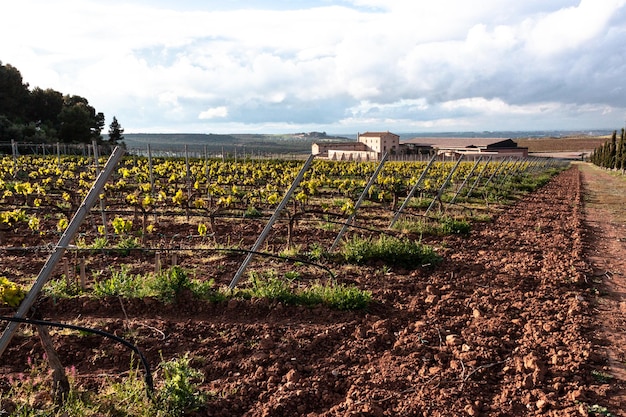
[[11, 294]]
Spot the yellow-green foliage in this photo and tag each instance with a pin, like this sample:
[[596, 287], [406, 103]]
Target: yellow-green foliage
[[10, 293]]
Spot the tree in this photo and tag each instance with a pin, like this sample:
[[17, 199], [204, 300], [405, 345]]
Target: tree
[[115, 132], [79, 121], [44, 110], [45, 106], [44, 115], [13, 93], [610, 162]]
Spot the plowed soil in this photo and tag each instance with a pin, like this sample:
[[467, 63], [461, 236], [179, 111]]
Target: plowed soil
[[516, 321]]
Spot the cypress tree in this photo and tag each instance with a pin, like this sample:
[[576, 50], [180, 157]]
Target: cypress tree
[[620, 154], [612, 151]]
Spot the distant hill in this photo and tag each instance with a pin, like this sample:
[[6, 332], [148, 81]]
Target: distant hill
[[230, 143], [300, 143]]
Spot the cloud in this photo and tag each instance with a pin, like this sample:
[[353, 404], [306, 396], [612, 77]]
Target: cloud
[[328, 65], [212, 113]]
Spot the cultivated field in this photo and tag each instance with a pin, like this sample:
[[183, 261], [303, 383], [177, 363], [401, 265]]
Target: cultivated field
[[478, 307]]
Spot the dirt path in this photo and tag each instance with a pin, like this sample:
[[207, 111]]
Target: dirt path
[[604, 196]]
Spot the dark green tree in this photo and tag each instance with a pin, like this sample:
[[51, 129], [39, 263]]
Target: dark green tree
[[79, 121], [45, 106], [14, 94], [610, 161], [44, 110], [116, 132], [44, 115], [620, 155]]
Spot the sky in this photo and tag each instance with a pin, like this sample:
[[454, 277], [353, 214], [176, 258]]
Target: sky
[[285, 66]]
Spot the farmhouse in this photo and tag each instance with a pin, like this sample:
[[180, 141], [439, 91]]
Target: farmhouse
[[496, 147], [370, 146]]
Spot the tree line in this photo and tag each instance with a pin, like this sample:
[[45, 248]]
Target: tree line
[[612, 154], [47, 116]]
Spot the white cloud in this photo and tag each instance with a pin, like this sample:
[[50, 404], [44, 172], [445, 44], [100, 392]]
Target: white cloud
[[332, 65], [214, 112], [570, 27]]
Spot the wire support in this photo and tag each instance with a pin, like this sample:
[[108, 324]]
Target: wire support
[[148, 374]]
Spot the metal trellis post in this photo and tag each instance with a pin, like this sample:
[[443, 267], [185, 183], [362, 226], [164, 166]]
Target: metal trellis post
[[359, 201], [59, 250], [271, 222], [496, 172], [466, 179], [96, 155], [444, 185], [507, 171], [479, 177], [413, 190]]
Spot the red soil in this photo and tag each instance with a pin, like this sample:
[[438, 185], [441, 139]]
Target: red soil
[[505, 326]]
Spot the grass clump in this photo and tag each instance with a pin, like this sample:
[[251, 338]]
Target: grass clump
[[395, 251], [171, 283], [270, 286], [121, 283], [338, 296], [443, 226], [62, 288], [179, 392], [165, 286], [452, 226], [176, 393]]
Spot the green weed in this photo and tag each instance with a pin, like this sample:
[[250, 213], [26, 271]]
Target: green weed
[[121, 283], [61, 288], [602, 377], [179, 393], [395, 251], [333, 295]]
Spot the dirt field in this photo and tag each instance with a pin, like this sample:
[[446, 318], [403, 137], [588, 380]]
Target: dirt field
[[522, 318], [565, 144]]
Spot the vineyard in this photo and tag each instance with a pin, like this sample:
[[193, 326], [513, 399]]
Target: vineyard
[[168, 210], [364, 264]]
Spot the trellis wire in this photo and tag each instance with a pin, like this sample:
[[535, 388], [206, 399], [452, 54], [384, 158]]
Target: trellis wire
[[271, 221], [413, 190], [444, 185], [359, 202], [64, 241], [465, 180]]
